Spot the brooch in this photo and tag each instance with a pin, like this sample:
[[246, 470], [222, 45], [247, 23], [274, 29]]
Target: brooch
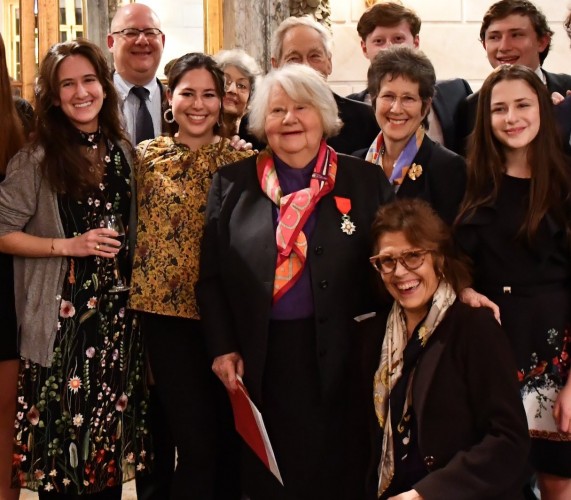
[[344, 206], [415, 171]]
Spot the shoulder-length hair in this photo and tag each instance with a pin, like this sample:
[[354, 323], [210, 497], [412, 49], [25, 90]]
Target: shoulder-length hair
[[302, 84], [405, 62], [423, 228], [65, 164], [243, 61], [198, 60], [550, 182], [11, 130]]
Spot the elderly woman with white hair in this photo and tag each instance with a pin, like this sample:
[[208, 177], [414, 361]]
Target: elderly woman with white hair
[[240, 72], [283, 273]]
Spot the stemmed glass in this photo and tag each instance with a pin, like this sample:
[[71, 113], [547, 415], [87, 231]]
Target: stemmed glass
[[114, 222]]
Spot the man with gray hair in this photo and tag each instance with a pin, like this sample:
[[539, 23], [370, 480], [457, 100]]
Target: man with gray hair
[[303, 40]]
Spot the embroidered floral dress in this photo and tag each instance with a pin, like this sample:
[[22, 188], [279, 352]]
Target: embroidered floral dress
[[80, 426], [530, 284]]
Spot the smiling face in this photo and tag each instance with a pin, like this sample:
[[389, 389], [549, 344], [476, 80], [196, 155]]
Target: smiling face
[[413, 290], [514, 108], [383, 37], [80, 92], [294, 129], [399, 109], [237, 91], [136, 60], [195, 107], [512, 40], [303, 45]]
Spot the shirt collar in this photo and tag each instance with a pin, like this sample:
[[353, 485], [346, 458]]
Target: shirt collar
[[541, 75], [124, 87]]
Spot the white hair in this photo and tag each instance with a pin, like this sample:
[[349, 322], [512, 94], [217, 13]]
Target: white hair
[[302, 84], [292, 22]]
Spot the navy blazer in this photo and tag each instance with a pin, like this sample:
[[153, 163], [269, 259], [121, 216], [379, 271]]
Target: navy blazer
[[238, 260], [472, 428], [443, 179], [448, 96], [556, 82]]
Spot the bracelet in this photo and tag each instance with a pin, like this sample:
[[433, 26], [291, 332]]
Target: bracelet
[[52, 249]]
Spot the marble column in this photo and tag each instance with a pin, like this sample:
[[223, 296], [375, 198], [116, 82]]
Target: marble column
[[249, 26]]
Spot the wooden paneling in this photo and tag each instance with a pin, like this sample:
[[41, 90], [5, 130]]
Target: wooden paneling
[[48, 25], [28, 47], [213, 27]]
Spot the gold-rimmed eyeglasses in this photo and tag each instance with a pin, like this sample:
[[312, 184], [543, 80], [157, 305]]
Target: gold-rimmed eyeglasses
[[410, 260]]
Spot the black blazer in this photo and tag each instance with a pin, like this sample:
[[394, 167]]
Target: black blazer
[[472, 428], [359, 127], [443, 179], [237, 268], [563, 118], [448, 96], [556, 82]]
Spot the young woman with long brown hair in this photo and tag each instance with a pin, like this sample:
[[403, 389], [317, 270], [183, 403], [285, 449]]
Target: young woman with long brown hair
[[11, 140], [79, 428], [515, 225]]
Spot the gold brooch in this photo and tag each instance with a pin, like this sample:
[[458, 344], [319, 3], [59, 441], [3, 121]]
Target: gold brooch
[[415, 171]]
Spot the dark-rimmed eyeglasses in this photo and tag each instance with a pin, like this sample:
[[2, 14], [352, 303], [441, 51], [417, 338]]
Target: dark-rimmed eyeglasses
[[134, 33], [410, 260]]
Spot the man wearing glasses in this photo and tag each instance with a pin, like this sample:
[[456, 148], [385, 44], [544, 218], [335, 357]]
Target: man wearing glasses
[[136, 42]]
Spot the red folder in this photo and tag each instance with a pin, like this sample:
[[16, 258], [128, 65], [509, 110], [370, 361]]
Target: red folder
[[250, 425]]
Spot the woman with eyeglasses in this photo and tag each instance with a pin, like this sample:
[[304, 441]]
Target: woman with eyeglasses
[[445, 419], [240, 74], [401, 85]]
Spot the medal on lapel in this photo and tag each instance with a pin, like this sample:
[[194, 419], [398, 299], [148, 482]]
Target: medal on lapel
[[344, 206]]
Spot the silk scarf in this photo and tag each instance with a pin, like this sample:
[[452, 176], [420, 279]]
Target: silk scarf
[[390, 370], [294, 210], [403, 162]]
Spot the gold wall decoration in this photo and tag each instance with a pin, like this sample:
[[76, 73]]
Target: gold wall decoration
[[320, 9]]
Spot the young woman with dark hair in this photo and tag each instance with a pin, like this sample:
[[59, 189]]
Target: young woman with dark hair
[[11, 140], [514, 223], [79, 425], [173, 175]]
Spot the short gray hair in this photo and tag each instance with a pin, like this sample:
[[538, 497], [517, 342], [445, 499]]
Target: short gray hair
[[302, 84], [292, 22], [243, 61]]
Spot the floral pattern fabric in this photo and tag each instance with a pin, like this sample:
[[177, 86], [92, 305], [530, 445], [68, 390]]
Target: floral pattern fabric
[[80, 426], [172, 187]]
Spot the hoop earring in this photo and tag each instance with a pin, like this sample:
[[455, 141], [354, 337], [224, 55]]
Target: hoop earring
[[165, 115]]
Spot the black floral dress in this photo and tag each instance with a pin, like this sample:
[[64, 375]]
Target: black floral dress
[[80, 426], [531, 283]]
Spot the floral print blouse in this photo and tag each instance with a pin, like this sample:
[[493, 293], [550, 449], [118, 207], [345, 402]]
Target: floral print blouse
[[172, 187]]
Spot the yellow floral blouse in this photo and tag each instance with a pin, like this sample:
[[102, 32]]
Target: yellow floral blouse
[[172, 186]]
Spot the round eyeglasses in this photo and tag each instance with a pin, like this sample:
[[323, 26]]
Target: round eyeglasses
[[410, 260]]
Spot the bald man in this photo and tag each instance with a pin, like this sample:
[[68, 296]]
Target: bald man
[[136, 42]]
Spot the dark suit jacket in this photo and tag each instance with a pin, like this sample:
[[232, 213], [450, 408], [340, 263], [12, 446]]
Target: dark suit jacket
[[238, 265], [563, 118], [472, 429], [469, 108], [359, 127], [443, 179], [449, 95]]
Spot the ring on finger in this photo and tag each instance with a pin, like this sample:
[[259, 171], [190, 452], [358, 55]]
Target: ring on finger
[[97, 247]]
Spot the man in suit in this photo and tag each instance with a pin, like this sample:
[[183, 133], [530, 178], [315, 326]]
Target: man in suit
[[391, 23], [514, 32], [136, 42], [303, 40]]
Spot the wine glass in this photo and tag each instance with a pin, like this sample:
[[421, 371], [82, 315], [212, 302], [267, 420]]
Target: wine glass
[[114, 222]]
